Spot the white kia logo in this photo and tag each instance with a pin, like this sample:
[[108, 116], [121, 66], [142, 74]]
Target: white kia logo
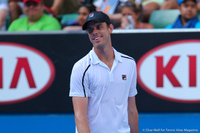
[[24, 72], [171, 71]]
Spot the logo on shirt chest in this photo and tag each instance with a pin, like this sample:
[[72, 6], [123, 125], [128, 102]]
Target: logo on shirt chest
[[123, 77]]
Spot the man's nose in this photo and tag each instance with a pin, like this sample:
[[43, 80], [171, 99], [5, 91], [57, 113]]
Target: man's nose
[[95, 30], [31, 6]]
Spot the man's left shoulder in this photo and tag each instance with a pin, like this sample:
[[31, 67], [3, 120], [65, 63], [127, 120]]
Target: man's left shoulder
[[50, 23], [124, 56]]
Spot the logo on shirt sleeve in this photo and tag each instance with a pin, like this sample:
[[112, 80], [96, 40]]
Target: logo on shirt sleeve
[[123, 77]]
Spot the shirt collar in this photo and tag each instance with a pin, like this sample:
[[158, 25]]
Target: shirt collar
[[95, 60]]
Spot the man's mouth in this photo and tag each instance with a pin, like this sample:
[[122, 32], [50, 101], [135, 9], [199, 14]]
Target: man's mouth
[[97, 38]]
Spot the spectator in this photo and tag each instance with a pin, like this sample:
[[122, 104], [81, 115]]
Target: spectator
[[148, 7], [111, 6], [15, 9], [3, 14], [131, 14], [112, 9], [84, 11], [198, 5], [56, 6], [169, 4], [35, 19], [188, 17], [108, 6], [173, 4], [61, 7]]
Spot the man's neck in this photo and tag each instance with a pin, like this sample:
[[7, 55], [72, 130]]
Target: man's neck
[[33, 20], [106, 55], [184, 21]]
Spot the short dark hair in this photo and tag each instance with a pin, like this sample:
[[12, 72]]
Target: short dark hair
[[89, 6], [133, 5]]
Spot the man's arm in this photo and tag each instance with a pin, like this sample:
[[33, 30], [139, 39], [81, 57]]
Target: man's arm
[[80, 110], [115, 17], [56, 6], [3, 13], [133, 115]]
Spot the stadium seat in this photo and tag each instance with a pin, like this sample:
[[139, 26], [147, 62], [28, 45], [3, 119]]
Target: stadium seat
[[69, 17], [162, 18], [198, 14], [7, 21]]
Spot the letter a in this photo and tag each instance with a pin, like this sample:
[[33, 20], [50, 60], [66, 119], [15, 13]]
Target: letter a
[[22, 63]]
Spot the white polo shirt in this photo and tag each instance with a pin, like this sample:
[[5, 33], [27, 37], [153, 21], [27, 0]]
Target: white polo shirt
[[107, 90]]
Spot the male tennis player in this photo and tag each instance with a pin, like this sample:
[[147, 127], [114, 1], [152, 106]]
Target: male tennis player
[[103, 84]]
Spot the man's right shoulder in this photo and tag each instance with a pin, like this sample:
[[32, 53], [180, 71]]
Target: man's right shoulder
[[19, 20], [83, 63], [14, 26]]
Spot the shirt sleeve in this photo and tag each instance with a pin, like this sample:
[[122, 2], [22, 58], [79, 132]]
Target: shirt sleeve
[[52, 25], [79, 82], [12, 26], [133, 89]]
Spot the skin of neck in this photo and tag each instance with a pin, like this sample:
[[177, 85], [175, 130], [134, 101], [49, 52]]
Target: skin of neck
[[35, 19], [105, 54]]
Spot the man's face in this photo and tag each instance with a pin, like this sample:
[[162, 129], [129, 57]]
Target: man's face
[[33, 10], [99, 34], [188, 9]]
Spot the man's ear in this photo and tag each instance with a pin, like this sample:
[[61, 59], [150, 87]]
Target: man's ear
[[179, 8], [111, 27]]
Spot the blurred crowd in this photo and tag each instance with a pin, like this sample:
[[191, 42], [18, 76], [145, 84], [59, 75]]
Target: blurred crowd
[[46, 15]]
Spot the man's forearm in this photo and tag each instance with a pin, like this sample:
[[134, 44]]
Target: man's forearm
[[80, 112], [82, 125], [133, 122], [133, 117]]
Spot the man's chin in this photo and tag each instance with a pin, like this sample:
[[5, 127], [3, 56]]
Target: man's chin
[[99, 46], [32, 18]]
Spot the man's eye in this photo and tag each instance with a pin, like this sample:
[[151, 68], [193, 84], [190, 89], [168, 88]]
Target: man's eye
[[193, 6], [98, 27], [90, 30]]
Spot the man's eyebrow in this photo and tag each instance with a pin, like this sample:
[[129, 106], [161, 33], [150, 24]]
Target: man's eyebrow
[[95, 25]]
